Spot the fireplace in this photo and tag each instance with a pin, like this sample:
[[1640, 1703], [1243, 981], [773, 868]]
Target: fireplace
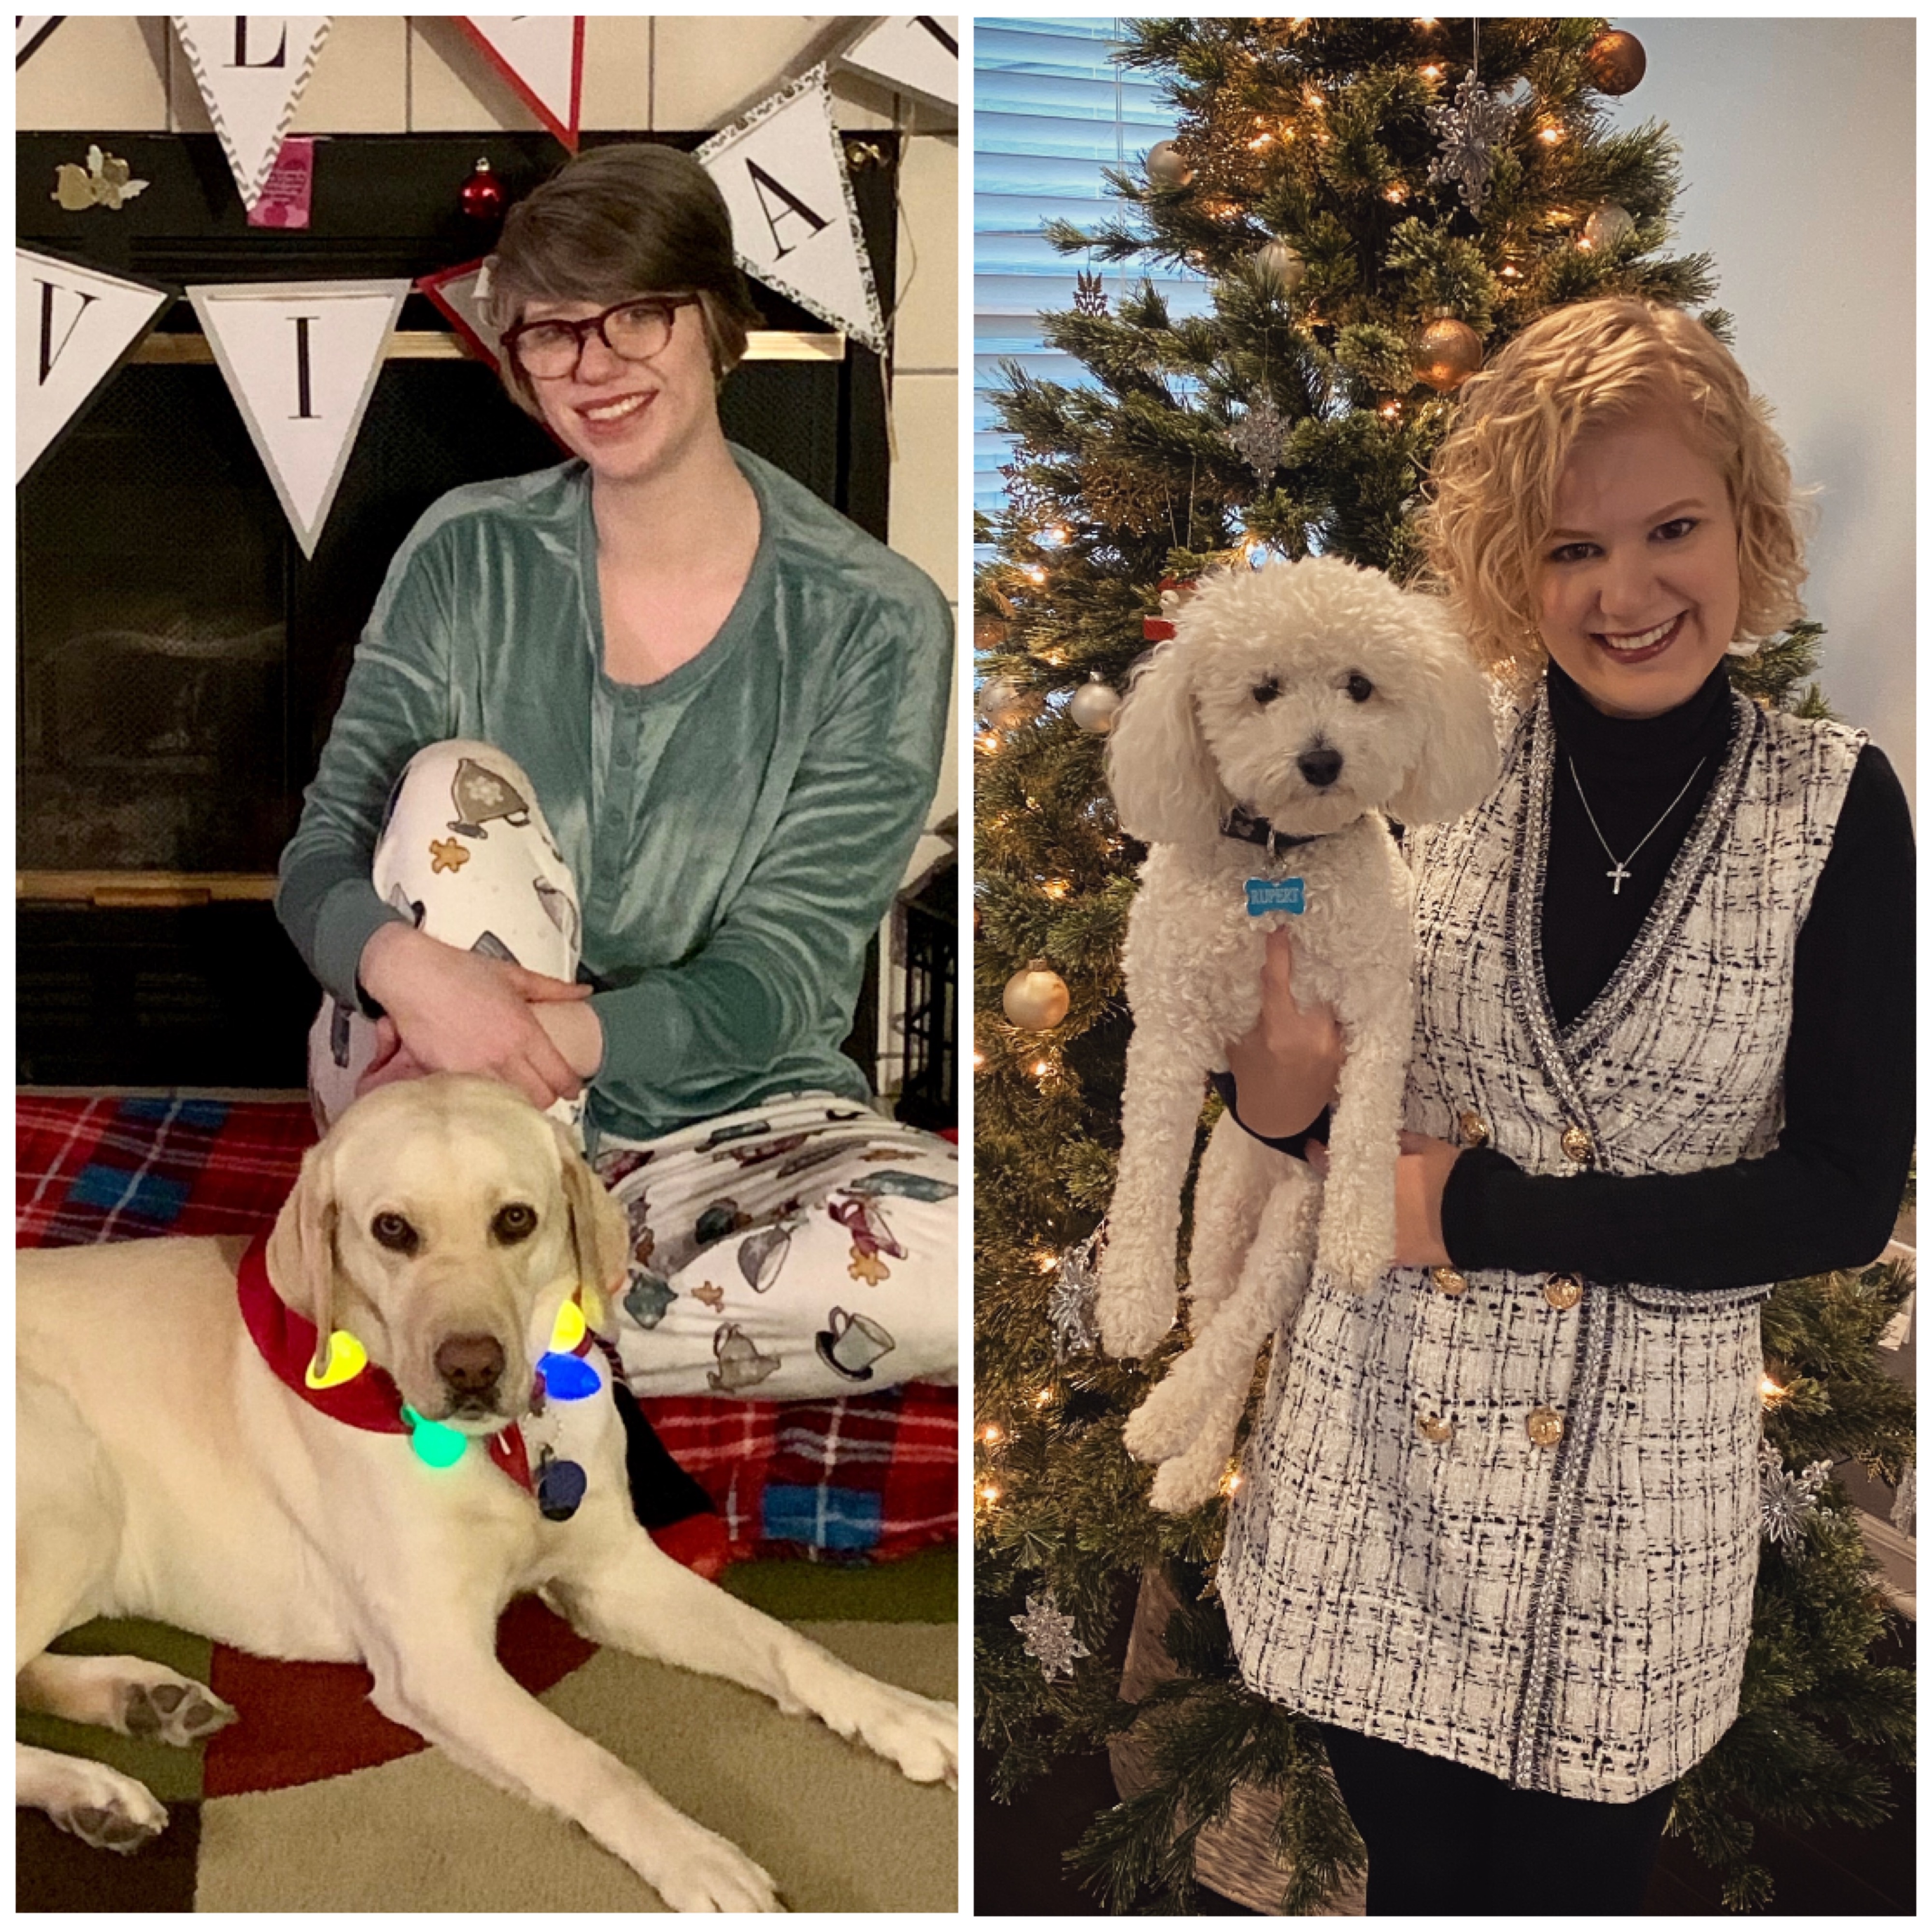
[[179, 659]]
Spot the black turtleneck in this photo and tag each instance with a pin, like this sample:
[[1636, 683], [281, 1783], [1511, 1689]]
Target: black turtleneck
[[1826, 1195]]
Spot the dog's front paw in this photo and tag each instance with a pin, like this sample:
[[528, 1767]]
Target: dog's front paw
[[919, 1735], [1135, 1303], [701, 1872], [1184, 1482]]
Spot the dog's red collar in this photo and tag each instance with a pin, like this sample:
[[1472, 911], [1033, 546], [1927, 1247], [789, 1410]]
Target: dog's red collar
[[372, 1400]]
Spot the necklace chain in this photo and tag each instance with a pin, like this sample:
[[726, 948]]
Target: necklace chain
[[1620, 868]]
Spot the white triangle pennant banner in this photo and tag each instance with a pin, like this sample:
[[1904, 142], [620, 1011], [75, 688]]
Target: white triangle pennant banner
[[71, 327], [918, 52], [793, 221], [541, 56], [251, 69], [300, 359]]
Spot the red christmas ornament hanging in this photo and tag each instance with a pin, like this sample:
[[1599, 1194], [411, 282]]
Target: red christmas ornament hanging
[[482, 196]]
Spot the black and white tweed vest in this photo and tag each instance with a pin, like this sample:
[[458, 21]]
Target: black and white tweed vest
[[1512, 1519]]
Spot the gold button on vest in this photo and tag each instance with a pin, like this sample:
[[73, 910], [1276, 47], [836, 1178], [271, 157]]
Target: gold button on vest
[[1448, 1282], [1470, 1126], [1545, 1426], [1563, 1291], [1576, 1145], [1435, 1428]]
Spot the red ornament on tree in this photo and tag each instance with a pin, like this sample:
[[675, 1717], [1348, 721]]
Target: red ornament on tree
[[482, 194]]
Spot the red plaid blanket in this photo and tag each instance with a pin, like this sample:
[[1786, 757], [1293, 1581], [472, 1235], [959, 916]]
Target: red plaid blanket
[[866, 1478]]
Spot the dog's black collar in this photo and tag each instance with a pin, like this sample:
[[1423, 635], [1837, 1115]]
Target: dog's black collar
[[1241, 824]]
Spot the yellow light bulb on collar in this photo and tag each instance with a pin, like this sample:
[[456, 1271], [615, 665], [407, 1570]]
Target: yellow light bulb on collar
[[569, 1330], [347, 1359]]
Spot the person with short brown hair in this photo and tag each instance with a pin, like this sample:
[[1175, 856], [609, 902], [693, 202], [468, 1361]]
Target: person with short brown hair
[[1500, 1527], [631, 760]]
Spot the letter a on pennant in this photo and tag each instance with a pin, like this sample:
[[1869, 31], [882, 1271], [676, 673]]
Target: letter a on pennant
[[541, 56], [793, 220], [71, 327], [300, 359], [251, 69]]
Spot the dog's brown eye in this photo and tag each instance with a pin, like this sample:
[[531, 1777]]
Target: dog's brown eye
[[516, 1222], [1359, 688], [1267, 694], [393, 1231]]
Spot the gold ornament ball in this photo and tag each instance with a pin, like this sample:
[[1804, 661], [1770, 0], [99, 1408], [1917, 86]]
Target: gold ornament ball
[[1606, 227], [989, 631], [1036, 997], [1092, 707], [1283, 263], [1615, 61], [1447, 353], [1165, 166]]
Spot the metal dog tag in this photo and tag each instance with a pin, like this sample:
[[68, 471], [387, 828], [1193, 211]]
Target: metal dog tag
[[1266, 895]]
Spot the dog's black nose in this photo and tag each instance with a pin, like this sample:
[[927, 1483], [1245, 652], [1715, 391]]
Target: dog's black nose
[[470, 1364], [1320, 767]]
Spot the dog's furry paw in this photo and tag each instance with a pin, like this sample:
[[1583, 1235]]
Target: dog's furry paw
[[1185, 1482], [919, 1735], [1131, 1327], [704, 1872], [173, 1710], [108, 1810]]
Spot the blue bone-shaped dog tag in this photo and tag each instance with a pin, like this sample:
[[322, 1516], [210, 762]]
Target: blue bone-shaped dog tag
[[1273, 895]]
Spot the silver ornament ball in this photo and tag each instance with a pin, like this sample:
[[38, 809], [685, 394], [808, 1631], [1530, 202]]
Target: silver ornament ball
[[1092, 707], [1036, 997], [1606, 227], [1002, 703], [1283, 263], [1165, 166]]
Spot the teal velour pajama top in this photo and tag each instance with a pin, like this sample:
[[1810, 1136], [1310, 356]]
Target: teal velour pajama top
[[736, 830]]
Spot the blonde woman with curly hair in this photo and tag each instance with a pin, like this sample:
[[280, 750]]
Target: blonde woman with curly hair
[[1500, 1531]]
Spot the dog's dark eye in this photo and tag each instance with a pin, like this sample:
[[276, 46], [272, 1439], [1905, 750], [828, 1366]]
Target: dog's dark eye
[[1267, 694], [393, 1232], [516, 1222], [1359, 688]]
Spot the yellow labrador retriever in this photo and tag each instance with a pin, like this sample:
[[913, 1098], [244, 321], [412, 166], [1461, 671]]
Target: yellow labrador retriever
[[183, 1455]]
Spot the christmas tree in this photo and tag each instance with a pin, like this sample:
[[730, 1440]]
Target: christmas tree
[[1377, 205]]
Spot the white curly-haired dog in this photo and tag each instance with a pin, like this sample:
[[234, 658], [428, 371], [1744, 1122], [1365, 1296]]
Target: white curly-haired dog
[[1294, 706]]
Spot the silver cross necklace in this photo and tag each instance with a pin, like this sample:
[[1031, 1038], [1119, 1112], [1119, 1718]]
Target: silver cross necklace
[[1620, 868]]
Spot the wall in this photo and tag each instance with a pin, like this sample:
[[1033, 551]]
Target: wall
[[387, 74], [1797, 163]]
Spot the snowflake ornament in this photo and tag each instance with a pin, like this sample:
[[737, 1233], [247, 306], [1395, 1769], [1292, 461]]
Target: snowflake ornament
[[1469, 131], [1050, 1637], [1786, 1501], [1069, 1301], [1258, 437]]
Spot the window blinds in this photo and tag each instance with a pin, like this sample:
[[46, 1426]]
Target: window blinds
[[1050, 110]]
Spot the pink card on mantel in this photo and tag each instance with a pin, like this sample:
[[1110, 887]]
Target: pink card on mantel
[[284, 200]]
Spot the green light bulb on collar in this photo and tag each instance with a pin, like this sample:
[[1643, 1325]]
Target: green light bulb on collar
[[436, 1443]]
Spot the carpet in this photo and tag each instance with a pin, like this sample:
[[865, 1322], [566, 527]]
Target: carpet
[[314, 1802]]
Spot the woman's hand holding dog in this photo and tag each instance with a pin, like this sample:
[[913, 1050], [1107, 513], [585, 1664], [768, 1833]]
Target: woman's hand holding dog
[[1288, 1066], [452, 1012], [1421, 1173]]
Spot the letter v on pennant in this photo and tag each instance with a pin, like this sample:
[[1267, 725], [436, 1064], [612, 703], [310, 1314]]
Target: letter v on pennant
[[72, 326], [300, 359], [795, 226], [251, 70]]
